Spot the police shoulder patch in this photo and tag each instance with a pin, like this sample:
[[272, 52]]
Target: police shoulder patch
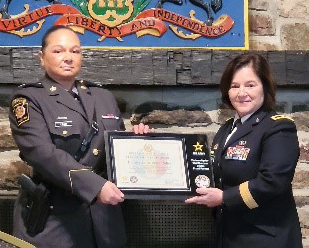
[[279, 117], [20, 110]]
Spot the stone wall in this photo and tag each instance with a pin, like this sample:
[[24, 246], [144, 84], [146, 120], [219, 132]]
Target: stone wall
[[180, 121], [279, 25]]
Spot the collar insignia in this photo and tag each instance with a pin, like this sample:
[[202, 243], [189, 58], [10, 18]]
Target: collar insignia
[[53, 88]]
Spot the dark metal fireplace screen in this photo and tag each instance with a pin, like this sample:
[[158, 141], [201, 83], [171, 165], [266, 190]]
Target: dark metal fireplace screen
[[149, 224], [168, 224]]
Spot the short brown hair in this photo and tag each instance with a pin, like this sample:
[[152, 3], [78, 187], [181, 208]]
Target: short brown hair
[[262, 70]]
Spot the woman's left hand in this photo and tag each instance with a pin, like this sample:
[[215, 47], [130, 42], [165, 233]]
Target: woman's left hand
[[141, 128], [210, 197]]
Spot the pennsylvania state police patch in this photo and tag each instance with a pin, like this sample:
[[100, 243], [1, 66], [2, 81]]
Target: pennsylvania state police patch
[[20, 109]]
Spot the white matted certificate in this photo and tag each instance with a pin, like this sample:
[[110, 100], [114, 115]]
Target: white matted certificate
[[149, 163]]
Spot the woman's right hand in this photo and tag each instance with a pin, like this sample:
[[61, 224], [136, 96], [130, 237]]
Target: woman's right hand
[[211, 197], [110, 194]]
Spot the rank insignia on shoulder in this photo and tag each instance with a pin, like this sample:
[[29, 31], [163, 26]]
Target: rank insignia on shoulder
[[278, 117], [91, 84], [37, 85], [20, 109]]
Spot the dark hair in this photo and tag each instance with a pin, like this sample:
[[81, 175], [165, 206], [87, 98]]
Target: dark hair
[[262, 70], [50, 31]]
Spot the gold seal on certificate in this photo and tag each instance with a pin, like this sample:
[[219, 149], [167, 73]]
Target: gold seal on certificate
[[158, 165]]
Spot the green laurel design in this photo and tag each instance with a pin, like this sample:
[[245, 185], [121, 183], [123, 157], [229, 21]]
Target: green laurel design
[[139, 6], [82, 6], [102, 11]]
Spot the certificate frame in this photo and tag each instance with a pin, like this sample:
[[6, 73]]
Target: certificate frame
[[158, 165]]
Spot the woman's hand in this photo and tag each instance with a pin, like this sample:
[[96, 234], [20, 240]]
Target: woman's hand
[[141, 128], [110, 194], [210, 197]]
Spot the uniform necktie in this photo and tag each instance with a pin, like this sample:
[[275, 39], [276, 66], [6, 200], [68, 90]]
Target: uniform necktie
[[72, 93], [237, 123], [76, 97]]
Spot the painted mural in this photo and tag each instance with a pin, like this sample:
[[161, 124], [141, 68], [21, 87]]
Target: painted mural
[[129, 23]]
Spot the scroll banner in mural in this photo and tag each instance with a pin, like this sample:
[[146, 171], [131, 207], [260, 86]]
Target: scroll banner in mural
[[129, 23]]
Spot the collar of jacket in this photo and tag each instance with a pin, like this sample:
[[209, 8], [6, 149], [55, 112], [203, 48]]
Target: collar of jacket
[[247, 126], [55, 89]]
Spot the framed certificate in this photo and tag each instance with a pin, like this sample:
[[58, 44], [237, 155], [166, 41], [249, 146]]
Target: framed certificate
[[158, 165]]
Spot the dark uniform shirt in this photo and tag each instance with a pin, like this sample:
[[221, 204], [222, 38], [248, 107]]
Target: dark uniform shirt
[[255, 169], [48, 125]]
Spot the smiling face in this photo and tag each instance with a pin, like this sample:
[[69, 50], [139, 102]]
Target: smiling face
[[246, 91], [61, 57]]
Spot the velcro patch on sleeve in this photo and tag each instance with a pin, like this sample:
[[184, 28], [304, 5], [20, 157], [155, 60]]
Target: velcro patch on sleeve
[[20, 110]]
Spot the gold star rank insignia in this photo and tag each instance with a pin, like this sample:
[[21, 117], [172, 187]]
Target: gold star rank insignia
[[20, 109], [278, 117], [198, 147]]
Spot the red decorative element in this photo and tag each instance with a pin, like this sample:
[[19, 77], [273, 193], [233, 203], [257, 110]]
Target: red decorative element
[[118, 31], [187, 23], [148, 19], [35, 15]]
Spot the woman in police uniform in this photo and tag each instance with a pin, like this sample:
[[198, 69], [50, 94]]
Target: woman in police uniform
[[254, 158], [49, 119]]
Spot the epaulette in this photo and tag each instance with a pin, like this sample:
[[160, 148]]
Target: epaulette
[[37, 85], [90, 84], [279, 117]]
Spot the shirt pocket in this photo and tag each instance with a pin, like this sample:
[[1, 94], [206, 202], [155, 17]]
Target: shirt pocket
[[112, 122], [66, 138]]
